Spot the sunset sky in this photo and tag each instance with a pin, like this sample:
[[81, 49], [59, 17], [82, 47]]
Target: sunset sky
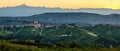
[[113, 4]]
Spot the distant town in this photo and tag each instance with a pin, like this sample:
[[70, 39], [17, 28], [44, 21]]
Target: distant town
[[30, 23]]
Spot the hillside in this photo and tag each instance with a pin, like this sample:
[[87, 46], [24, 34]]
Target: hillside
[[80, 19], [83, 36]]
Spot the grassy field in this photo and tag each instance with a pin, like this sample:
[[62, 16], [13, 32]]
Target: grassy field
[[7, 46]]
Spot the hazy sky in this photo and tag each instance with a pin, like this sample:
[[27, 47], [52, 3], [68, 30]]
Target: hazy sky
[[114, 4]]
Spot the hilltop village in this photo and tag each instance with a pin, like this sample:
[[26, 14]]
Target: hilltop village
[[29, 23]]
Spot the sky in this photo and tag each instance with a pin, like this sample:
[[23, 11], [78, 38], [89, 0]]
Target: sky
[[74, 4]]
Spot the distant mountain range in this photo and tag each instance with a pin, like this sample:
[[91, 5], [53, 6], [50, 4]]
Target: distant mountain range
[[23, 10]]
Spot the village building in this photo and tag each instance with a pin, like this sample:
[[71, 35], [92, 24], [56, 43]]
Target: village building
[[33, 23]]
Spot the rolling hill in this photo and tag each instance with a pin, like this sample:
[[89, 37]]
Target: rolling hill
[[105, 35], [80, 19]]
